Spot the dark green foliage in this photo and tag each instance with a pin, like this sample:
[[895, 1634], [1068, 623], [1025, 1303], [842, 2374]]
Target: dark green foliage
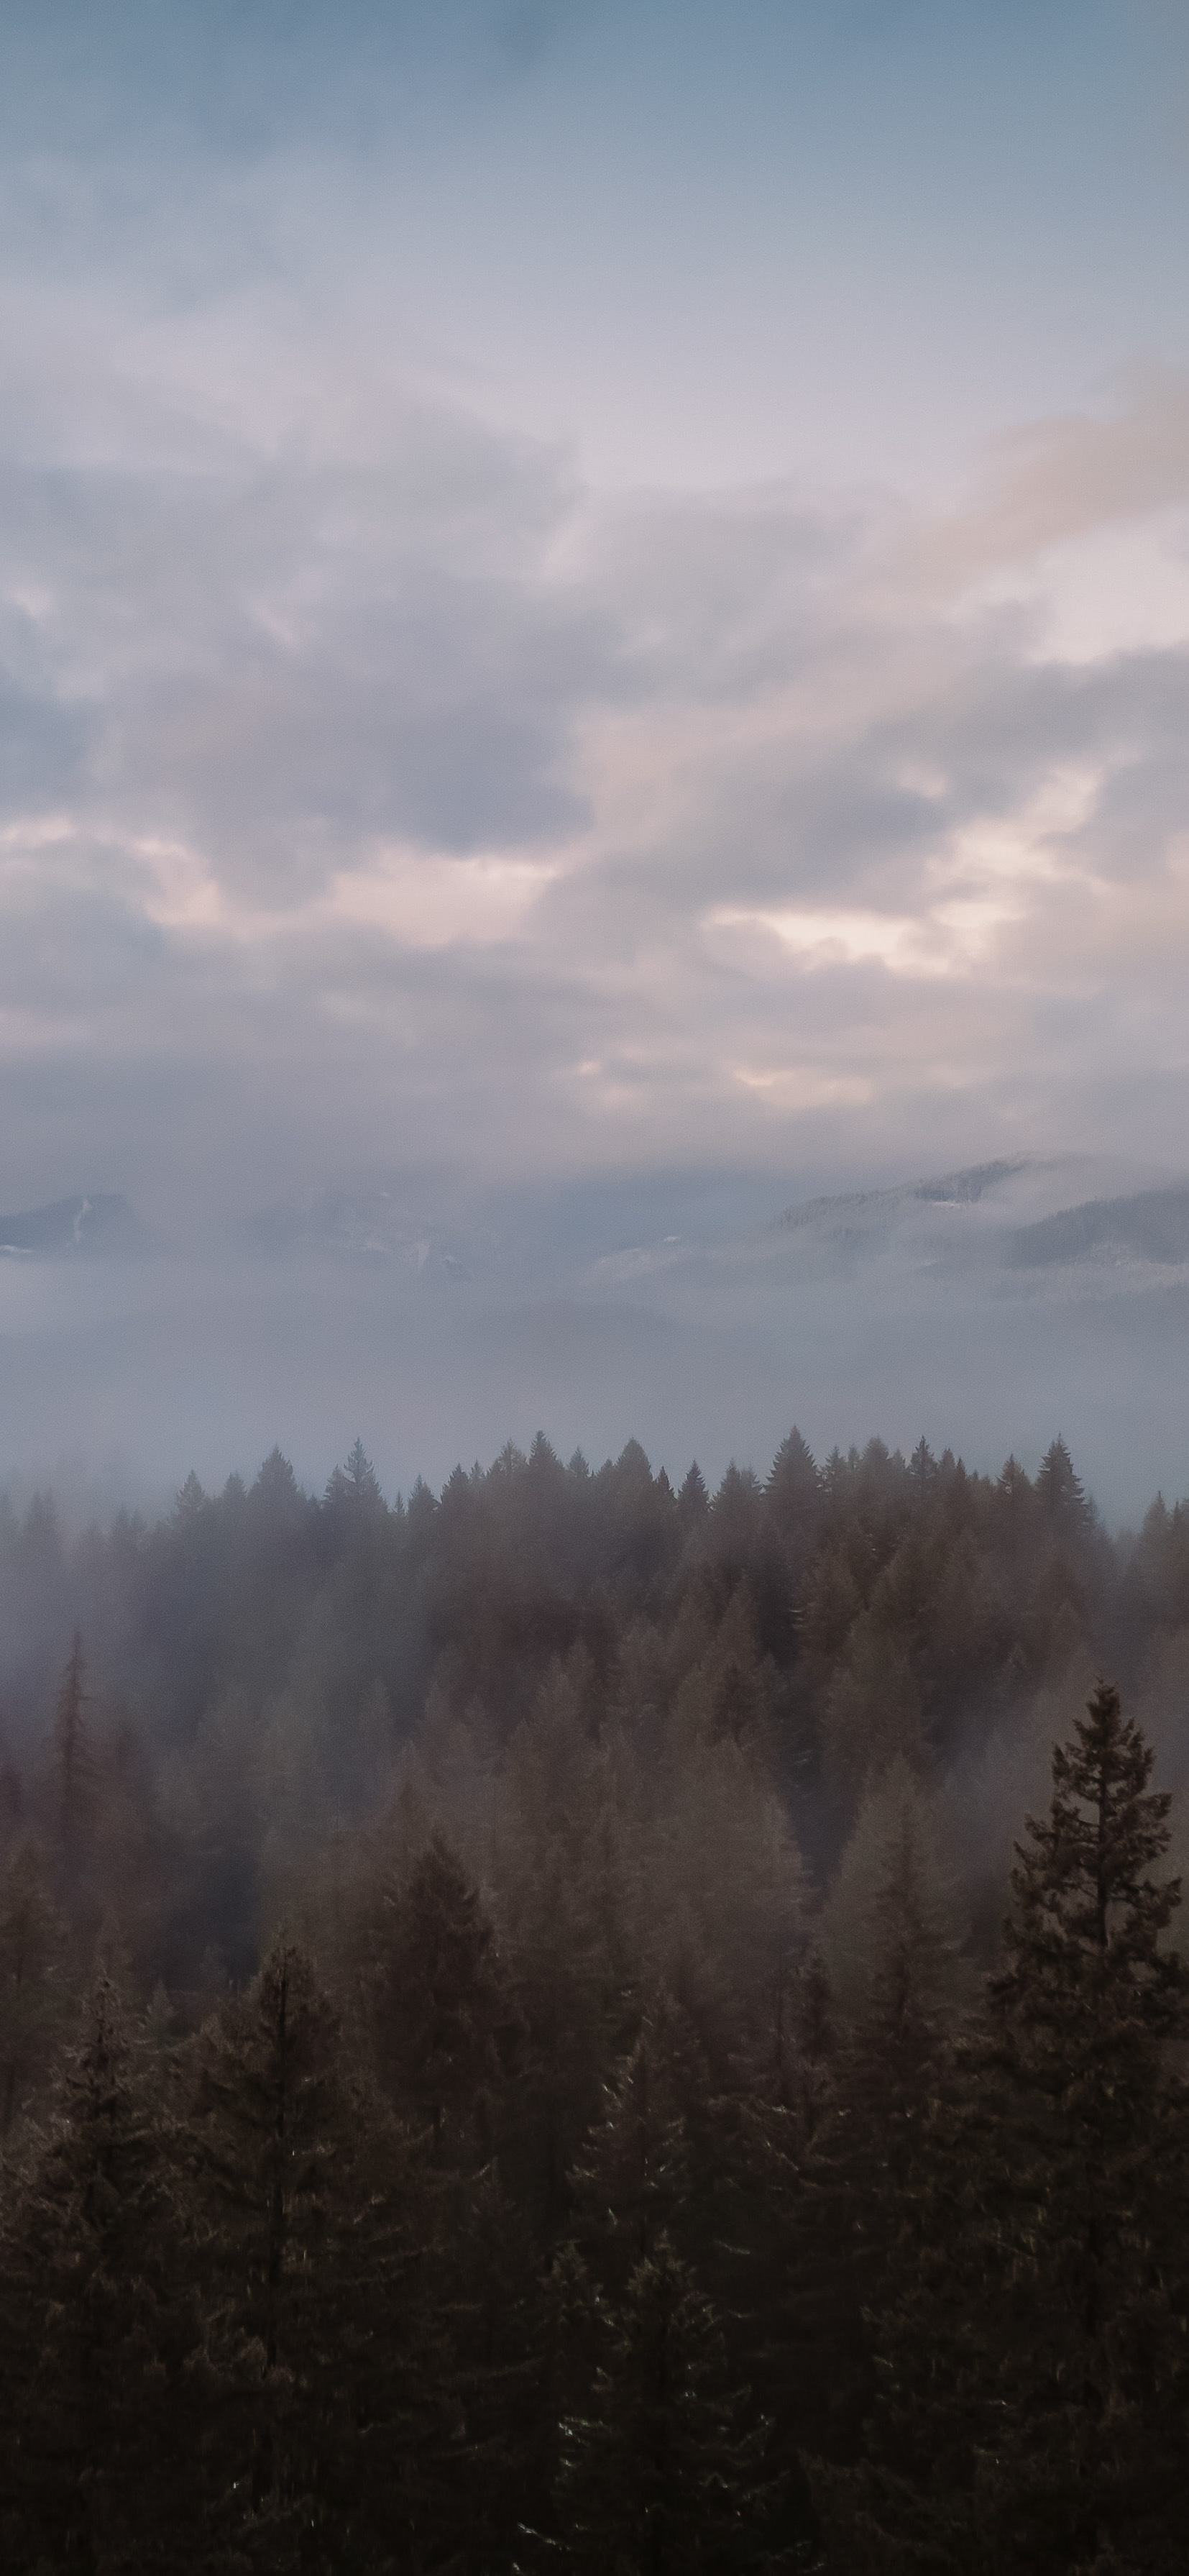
[[1031, 2352], [660, 2474], [261, 1600], [324, 2376], [438, 2002], [1084, 2018], [642, 2063], [96, 2472], [72, 1758], [32, 1946], [268, 2119], [632, 2182]]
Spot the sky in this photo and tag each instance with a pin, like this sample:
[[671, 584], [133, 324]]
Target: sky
[[589, 593]]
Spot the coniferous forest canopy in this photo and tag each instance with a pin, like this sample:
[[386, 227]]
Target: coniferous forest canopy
[[573, 2023]]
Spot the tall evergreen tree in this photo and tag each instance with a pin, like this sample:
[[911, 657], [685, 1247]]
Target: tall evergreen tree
[[438, 2002], [633, 2176], [1084, 2019], [848, 2180], [662, 2475], [95, 2471], [324, 2381], [71, 1753], [794, 1487], [1032, 2415], [32, 1941]]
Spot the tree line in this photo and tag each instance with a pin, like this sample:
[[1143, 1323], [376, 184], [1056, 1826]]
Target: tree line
[[510, 2052]]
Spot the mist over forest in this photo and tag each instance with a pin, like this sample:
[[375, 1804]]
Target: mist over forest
[[982, 1306], [303, 1660], [510, 2053]]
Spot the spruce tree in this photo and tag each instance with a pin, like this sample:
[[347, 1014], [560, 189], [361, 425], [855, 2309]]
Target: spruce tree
[[32, 1942], [437, 1994], [852, 2197], [1031, 2415], [324, 2381], [71, 1755], [96, 2471], [662, 2475], [632, 2178], [794, 1495], [1084, 2020], [494, 2299]]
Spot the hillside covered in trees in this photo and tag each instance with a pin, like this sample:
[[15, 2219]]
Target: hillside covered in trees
[[510, 2052]]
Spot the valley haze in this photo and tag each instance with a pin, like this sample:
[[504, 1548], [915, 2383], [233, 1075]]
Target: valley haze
[[986, 1309]]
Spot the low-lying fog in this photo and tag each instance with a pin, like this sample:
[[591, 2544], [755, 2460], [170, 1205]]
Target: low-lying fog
[[987, 1309]]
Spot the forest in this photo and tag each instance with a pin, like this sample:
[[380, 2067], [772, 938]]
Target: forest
[[576, 2023]]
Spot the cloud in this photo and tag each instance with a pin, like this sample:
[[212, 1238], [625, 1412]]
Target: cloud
[[383, 795], [1057, 479]]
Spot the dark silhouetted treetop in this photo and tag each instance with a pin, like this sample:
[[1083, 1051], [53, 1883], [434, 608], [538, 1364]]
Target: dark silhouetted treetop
[[1156, 1582], [420, 1512], [1033, 2370], [275, 1501], [1061, 1496], [354, 1487], [1090, 1999], [735, 1518], [922, 1468], [1088, 2021], [794, 1485]]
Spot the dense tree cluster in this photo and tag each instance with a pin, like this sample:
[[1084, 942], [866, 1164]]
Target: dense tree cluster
[[510, 2056]]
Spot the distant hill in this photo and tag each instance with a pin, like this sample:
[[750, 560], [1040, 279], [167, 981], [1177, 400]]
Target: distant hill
[[951, 1189], [1151, 1226], [1020, 1216], [370, 1226], [70, 1229]]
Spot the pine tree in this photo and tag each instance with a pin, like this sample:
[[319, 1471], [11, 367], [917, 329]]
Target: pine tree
[[778, 2256], [794, 1486], [95, 2469], [853, 2203], [693, 1500], [1033, 2371], [561, 1928], [1061, 1495], [71, 1753], [632, 2179], [662, 2476], [353, 1491], [324, 2379], [32, 1942], [889, 1926], [494, 2296], [1084, 2018], [438, 2002]]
